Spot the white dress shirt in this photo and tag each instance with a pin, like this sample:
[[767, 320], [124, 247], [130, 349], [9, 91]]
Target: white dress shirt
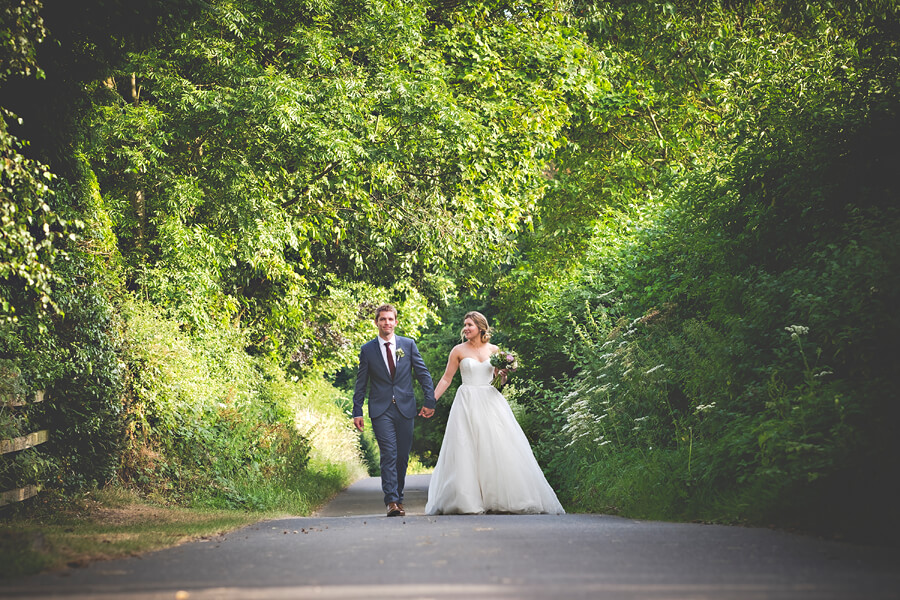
[[393, 342]]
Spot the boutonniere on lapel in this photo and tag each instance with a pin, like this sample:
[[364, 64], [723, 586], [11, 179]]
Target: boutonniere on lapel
[[400, 354]]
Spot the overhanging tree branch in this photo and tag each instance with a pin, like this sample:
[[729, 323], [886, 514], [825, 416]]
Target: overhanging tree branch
[[324, 173]]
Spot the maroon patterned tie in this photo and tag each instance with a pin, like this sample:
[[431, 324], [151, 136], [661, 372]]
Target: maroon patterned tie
[[390, 357]]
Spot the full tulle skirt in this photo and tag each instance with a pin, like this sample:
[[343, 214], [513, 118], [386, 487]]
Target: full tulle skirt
[[486, 463]]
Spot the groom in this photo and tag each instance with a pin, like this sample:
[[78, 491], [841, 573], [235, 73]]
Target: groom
[[387, 365]]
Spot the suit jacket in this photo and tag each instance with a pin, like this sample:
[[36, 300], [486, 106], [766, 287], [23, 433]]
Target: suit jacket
[[373, 377]]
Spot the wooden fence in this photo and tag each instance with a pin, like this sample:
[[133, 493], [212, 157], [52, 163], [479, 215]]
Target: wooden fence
[[17, 445]]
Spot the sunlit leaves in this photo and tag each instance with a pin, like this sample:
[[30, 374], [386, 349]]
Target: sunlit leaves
[[28, 229], [280, 149], [21, 30]]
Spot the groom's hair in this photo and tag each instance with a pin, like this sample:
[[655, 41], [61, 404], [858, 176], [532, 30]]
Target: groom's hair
[[383, 308]]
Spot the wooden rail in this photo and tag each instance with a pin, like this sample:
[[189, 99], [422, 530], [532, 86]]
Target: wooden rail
[[18, 444], [24, 442], [38, 397], [18, 495]]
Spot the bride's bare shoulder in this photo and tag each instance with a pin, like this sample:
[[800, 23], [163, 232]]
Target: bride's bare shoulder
[[457, 351]]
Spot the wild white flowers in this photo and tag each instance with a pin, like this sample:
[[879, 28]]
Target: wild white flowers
[[796, 331], [657, 367]]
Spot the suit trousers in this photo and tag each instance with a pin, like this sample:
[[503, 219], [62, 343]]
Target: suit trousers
[[394, 433]]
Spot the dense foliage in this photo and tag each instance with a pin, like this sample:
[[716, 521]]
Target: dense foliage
[[680, 215], [722, 349], [238, 185]]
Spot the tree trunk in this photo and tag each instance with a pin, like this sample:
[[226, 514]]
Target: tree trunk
[[137, 195]]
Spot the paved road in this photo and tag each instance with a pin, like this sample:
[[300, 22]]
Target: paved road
[[350, 550]]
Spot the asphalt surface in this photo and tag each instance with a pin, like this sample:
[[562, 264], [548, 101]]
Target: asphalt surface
[[349, 549]]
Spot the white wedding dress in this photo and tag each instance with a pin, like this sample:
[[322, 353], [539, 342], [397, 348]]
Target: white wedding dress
[[486, 463]]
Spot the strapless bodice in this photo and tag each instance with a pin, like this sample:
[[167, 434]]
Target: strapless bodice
[[476, 373]]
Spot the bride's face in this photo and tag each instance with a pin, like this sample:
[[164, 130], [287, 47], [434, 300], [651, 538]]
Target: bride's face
[[470, 330]]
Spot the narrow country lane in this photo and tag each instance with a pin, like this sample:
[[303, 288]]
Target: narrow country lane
[[350, 550]]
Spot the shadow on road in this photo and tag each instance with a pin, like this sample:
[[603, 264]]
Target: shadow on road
[[365, 498]]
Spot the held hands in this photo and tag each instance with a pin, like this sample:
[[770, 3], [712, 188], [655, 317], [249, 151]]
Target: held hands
[[426, 412]]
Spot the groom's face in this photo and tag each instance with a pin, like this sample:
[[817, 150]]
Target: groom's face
[[386, 322]]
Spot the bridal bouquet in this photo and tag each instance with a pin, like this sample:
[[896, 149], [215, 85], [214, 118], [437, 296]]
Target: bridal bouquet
[[503, 359]]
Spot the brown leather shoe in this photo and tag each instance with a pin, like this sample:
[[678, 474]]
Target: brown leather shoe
[[402, 510], [394, 510]]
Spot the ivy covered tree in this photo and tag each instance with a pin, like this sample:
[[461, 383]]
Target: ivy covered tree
[[26, 223]]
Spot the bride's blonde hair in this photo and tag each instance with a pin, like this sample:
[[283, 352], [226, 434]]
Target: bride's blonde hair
[[480, 322]]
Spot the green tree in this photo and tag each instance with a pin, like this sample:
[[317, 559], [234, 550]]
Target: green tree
[[275, 157]]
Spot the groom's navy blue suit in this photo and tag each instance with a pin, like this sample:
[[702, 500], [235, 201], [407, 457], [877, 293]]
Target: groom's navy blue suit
[[392, 406]]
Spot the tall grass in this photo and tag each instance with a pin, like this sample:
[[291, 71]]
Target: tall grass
[[210, 425], [731, 359]]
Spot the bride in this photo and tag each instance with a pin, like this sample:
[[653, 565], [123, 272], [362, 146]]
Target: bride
[[486, 463]]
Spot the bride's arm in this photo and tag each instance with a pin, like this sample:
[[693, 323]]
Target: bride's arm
[[449, 373]]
